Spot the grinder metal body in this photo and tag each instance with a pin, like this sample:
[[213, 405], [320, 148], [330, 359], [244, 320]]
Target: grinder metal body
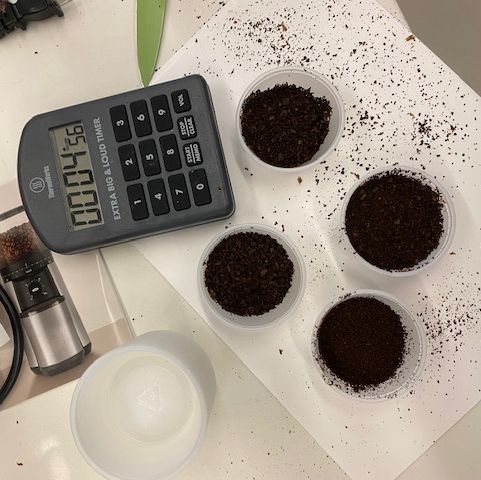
[[55, 337]]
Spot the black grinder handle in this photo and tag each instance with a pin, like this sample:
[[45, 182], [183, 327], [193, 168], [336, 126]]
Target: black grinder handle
[[17, 15]]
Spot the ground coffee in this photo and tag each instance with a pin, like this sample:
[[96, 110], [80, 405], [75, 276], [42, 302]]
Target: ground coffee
[[248, 273], [18, 243], [394, 220], [362, 341], [285, 125]]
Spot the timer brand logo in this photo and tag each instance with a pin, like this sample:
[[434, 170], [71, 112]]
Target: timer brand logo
[[48, 181], [37, 185]]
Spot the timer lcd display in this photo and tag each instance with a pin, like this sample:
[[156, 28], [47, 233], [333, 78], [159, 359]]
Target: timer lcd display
[[77, 176]]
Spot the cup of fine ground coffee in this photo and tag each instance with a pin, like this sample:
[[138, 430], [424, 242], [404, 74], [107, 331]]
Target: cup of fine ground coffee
[[290, 119], [251, 276], [398, 220], [368, 345]]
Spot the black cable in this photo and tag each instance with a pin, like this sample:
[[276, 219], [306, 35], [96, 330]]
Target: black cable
[[17, 344]]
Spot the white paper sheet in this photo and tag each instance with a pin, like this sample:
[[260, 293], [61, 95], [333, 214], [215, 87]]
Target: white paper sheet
[[403, 105]]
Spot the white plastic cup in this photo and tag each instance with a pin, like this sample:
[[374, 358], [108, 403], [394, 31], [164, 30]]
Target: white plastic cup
[[320, 87], [414, 355], [281, 311], [140, 411], [448, 214]]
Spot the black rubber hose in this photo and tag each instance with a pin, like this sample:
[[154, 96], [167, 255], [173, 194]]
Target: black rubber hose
[[17, 344]]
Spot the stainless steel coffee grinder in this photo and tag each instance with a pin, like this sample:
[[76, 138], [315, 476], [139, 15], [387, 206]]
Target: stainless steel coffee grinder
[[55, 338]]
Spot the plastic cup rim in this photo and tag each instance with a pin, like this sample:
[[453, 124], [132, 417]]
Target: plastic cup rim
[[379, 295], [339, 105], [260, 228], [449, 207], [90, 373]]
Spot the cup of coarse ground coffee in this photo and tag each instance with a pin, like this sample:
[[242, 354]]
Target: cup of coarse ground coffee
[[368, 345], [398, 220], [290, 119], [251, 276]]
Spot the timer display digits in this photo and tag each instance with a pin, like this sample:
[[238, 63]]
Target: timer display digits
[[77, 176]]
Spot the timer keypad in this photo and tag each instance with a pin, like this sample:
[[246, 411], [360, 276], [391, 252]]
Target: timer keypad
[[169, 188]]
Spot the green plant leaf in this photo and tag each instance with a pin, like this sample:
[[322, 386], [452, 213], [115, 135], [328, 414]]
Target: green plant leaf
[[150, 25]]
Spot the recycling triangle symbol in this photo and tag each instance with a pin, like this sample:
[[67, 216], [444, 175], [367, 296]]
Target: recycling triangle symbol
[[151, 398]]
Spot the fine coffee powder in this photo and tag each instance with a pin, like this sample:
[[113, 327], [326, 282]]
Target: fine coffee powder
[[248, 273], [362, 341], [394, 220], [18, 243], [285, 125]]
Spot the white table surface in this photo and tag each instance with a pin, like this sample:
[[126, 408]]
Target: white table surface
[[88, 54]]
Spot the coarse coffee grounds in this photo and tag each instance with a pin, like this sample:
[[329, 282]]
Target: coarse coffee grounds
[[285, 125], [248, 273], [18, 243], [362, 342], [394, 220]]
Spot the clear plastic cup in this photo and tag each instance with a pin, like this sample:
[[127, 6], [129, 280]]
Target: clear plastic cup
[[277, 314], [448, 213], [140, 411], [320, 87], [414, 356]]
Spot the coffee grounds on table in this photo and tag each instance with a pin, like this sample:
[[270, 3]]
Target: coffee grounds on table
[[394, 220], [248, 273], [362, 341], [285, 125]]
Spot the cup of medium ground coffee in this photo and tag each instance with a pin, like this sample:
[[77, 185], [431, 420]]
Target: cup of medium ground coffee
[[368, 345], [290, 119], [251, 276], [398, 220]]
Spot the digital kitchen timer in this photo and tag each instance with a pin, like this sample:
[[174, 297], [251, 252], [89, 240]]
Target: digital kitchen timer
[[124, 167]]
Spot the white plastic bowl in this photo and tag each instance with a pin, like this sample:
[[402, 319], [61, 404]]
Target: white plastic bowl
[[277, 314], [140, 411], [414, 357], [448, 213], [320, 87]]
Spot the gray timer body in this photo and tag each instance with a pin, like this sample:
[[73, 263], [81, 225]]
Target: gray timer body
[[124, 167]]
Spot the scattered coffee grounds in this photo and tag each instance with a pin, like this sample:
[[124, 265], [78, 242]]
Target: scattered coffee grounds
[[362, 341], [285, 125], [394, 220], [18, 243], [248, 273]]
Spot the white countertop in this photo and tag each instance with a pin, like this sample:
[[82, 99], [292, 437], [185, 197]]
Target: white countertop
[[89, 54]]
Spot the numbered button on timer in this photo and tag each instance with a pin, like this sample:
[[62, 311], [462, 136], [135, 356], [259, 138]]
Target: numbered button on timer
[[138, 206], [170, 153], [158, 197], [128, 160], [162, 118], [149, 157], [120, 122], [200, 187], [178, 191], [140, 115]]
